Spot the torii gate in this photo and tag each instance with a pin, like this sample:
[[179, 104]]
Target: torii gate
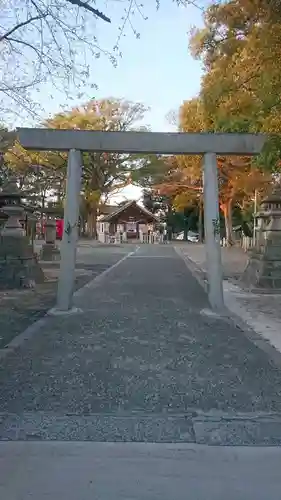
[[77, 141]]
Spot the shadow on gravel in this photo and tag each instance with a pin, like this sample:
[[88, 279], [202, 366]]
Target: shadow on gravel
[[21, 308]]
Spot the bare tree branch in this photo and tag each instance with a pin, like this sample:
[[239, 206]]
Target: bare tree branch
[[54, 42], [21, 25], [88, 7]]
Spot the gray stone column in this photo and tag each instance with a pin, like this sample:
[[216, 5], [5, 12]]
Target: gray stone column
[[70, 233], [212, 231], [264, 267]]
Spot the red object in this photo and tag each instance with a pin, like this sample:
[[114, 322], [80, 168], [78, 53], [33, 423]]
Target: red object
[[59, 229]]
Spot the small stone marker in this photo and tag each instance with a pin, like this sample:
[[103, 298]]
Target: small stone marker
[[49, 249]]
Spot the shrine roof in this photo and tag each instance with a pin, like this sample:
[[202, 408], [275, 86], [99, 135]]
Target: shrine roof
[[125, 206]]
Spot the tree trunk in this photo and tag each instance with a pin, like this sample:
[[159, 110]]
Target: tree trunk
[[227, 212], [83, 227], [92, 223], [200, 222], [41, 235]]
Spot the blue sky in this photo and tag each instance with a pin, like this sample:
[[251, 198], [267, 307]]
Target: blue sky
[[156, 69]]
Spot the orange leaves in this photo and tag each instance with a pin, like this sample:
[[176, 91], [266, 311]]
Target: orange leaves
[[239, 178], [241, 47]]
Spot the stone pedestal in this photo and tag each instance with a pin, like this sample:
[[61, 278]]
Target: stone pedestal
[[18, 264], [102, 237], [264, 267], [156, 237], [151, 238], [117, 238], [50, 251]]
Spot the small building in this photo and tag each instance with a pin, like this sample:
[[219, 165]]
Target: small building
[[129, 221]]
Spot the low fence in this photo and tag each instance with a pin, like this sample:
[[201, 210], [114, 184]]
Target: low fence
[[245, 242], [118, 238]]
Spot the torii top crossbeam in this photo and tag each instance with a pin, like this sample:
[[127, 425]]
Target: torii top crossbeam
[[141, 142]]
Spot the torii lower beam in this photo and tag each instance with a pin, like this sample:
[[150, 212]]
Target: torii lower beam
[[206, 144]]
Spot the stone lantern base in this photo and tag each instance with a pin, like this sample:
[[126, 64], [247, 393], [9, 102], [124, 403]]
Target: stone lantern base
[[19, 266], [50, 252], [264, 267]]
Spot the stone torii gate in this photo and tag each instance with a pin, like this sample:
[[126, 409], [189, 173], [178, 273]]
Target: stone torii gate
[[77, 141]]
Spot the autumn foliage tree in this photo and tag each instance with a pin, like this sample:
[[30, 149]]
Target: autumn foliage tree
[[238, 177], [240, 47]]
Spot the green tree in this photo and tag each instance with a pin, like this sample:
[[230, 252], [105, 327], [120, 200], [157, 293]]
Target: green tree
[[43, 174], [39, 175], [103, 173], [6, 141]]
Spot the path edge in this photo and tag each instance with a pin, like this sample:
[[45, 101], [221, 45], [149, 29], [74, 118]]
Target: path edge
[[31, 330], [254, 337]]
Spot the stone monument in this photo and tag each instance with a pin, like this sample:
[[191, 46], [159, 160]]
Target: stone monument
[[263, 270], [18, 264], [50, 251]]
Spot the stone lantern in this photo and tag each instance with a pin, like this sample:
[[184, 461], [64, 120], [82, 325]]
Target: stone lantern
[[49, 249], [18, 264], [11, 196], [264, 266]]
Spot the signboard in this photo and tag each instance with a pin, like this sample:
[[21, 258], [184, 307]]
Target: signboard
[[131, 227]]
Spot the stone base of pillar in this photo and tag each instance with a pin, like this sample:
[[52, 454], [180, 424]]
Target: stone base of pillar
[[50, 251], [102, 237], [117, 240], [19, 267], [264, 266]]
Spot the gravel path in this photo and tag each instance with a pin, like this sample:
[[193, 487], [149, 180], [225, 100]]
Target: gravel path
[[234, 259], [144, 361], [20, 308]]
